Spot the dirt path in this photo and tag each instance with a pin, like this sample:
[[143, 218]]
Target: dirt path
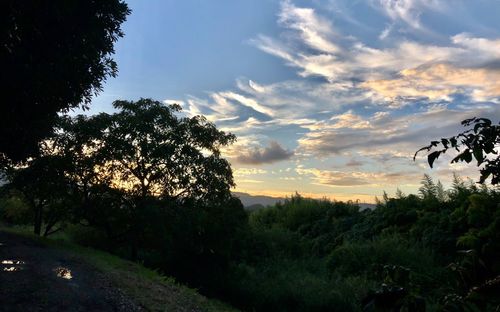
[[34, 277]]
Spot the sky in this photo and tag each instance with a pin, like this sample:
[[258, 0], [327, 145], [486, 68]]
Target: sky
[[327, 98]]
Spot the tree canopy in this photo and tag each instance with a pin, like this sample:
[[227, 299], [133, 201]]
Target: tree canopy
[[148, 149], [144, 153], [54, 56]]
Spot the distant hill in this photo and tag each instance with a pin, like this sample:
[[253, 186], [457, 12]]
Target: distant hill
[[253, 202], [367, 206]]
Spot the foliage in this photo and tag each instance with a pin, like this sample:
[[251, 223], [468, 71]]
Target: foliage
[[112, 182], [54, 56], [13, 207], [42, 185], [480, 142], [145, 149], [404, 255]]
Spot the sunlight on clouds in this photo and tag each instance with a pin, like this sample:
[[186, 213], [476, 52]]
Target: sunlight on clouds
[[349, 120], [248, 181], [358, 107], [359, 59], [358, 178], [439, 81], [397, 135], [242, 172]]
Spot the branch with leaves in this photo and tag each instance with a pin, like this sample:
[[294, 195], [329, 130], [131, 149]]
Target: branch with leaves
[[480, 142]]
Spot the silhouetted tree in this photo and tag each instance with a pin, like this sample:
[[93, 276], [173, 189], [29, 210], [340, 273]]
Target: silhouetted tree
[[54, 56], [148, 152], [45, 189], [479, 142]]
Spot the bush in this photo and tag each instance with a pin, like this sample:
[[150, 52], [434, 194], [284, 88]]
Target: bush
[[14, 209], [88, 236], [285, 284]]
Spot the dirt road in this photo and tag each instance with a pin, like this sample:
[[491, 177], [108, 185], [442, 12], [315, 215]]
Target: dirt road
[[35, 277]]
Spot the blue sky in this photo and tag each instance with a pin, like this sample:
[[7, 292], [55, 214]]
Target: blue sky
[[328, 98]]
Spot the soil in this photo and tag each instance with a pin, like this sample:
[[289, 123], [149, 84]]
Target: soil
[[36, 277]]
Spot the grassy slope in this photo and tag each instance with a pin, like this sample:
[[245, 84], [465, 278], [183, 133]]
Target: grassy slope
[[149, 288]]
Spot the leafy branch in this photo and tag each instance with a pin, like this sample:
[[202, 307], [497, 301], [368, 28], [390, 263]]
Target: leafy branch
[[480, 142]]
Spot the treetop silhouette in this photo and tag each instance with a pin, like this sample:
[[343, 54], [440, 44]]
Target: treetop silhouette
[[55, 55]]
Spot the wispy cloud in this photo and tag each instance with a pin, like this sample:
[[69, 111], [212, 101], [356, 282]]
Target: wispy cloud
[[439, 82], [359, 106], [409, 11], [339, 58], [388, 134], [314, 30]]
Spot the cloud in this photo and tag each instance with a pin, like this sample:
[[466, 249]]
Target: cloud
[[243, 172], [353, 163], [408, 11], [391, 135], [273, 153], [438, 82], [315, 31], [335, 178], [340, 58], [170, 102], [248, 102], [358, 104], [486, 47]]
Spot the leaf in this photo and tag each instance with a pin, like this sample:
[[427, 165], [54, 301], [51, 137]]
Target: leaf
[[432, 157], [444, 142], [453, 142], [467, 156], [464, 156], [478, 154]]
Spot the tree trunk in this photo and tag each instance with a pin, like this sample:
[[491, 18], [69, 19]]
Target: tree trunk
[[38, 220]]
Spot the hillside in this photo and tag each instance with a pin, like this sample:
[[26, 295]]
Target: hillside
[[58, 276]]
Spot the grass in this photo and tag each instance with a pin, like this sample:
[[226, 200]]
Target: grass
[[147, 287]]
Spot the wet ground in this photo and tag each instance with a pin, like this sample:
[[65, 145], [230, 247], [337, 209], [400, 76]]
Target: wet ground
[[35, 277]]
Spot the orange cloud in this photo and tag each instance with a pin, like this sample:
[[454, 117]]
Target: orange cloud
[[439, 81]]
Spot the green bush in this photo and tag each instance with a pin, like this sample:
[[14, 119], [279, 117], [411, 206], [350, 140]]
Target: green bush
[[285, 284]]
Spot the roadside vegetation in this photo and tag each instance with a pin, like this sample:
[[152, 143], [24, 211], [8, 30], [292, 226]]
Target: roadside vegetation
[[149, 288], [435, 251]]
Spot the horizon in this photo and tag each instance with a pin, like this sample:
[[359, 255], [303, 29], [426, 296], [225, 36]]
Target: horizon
[[329, 99]]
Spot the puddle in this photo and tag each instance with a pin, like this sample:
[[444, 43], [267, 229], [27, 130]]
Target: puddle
[[14, 265], [63, 273], [11, 269], [12, 262]]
